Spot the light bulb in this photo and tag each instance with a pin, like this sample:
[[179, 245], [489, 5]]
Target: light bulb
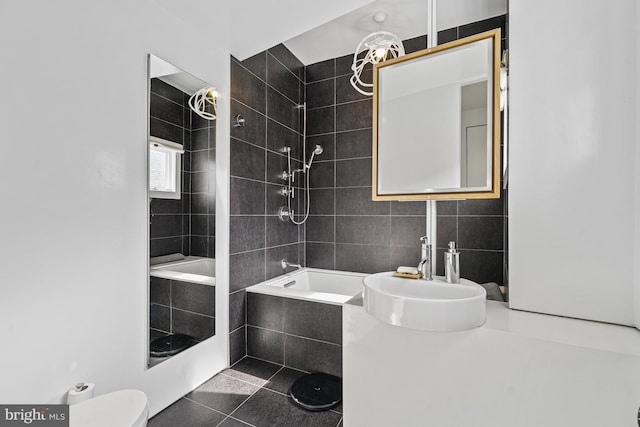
[[381, 52]]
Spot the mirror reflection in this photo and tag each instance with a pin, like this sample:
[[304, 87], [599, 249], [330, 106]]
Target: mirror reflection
[[182, 153], [437, 122]]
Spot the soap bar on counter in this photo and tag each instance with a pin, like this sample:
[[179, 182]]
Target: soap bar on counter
[[408, 275], [407, 270]]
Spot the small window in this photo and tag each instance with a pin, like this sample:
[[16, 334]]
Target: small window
[[164, 168]]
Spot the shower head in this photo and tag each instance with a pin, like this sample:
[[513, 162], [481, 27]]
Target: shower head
[[316, 152]]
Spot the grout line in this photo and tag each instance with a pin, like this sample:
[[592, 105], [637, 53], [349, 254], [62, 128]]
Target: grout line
[[284, 65], [240, 379], [292, 335], [170, 306], [345, 158], [340, 131], [335, 169], [245, 401], [204, 406], [266, 168], [193, 312], [276, 392], [170, 123], [340, 103], [322, 80], [247, 252], [370, 128], [371, 215], [284, 348], [264, 115], [235, 330], [266, 247], [182, 106], [253, 144], [262, 360], [249, 179], [245, 325], [266, 67], [236, 419], [355, 158]]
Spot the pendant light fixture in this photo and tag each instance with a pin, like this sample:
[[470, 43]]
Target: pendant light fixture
[[200, 100], [374, 48]]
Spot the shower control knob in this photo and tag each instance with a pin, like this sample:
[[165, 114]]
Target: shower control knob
[[285, 191], [286, 175]]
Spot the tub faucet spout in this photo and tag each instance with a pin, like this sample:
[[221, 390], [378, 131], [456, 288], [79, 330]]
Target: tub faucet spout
[[424, 266], [284, 264]]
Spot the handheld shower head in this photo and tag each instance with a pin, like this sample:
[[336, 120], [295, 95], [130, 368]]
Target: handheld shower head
[[316, 152]]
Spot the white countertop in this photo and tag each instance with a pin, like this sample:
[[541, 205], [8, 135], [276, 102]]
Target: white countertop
[[518, 369], [562, 330]]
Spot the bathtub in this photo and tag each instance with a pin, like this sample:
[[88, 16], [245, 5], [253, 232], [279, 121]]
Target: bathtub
[[296, 319], [192, 269], [313, 284]]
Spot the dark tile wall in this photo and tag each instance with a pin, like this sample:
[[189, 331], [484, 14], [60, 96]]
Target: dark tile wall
[[298, 334], [349, 231], [182, 308], [186, 225], [266, 89]]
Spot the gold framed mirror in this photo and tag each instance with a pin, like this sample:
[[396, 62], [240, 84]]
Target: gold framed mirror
[[436, 122]]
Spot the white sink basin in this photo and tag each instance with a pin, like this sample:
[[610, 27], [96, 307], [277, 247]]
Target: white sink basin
[[433, 305]]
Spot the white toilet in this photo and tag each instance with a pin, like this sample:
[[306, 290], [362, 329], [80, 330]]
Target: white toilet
[[124, 408]]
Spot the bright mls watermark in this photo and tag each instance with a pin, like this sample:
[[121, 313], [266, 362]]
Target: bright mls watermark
[[34, 415]]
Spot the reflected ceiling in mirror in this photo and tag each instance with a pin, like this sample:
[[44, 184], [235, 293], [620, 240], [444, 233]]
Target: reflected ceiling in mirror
[[437, 122]]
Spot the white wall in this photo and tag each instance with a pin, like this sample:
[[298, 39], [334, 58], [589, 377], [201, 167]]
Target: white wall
[[73, 250], [435, 160], [479, 162], [573, 162]]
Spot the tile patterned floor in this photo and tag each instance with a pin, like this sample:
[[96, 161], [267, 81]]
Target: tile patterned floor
[[250, 393]]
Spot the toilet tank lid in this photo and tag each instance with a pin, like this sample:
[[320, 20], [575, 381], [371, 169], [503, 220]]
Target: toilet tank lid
[[124, 408]]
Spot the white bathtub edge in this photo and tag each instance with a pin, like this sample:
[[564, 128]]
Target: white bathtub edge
[[270, 287]]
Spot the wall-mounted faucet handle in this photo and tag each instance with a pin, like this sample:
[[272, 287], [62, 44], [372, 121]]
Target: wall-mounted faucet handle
[[238, 121], [424, 240], [285, 191], [285, 175]]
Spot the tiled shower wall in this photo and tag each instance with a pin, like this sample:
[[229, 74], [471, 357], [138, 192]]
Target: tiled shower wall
[[266, 90], [186, 225]]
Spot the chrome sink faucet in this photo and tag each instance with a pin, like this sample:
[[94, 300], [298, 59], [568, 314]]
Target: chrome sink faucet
[[424, 266]]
